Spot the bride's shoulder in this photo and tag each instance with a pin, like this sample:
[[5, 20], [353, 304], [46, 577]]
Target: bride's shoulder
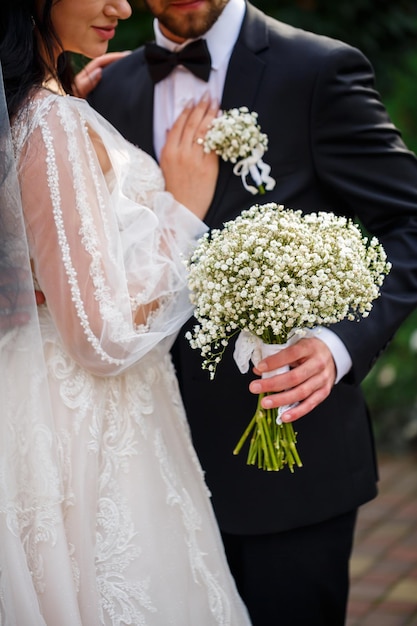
[[40, 106], [125, 153]]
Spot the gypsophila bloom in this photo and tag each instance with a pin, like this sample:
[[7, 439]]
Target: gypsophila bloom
[[268, 276], [273, 270], [236, 136]]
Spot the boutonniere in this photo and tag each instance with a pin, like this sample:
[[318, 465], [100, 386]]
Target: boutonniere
[[236, 136]]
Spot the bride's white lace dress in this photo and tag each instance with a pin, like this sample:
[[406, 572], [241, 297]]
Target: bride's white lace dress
[[105, 516]]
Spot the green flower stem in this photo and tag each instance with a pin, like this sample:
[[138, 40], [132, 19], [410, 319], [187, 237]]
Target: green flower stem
[[267, 460], [261, 190], [292, 440], [246, 433], [253, 450], [272, 446]]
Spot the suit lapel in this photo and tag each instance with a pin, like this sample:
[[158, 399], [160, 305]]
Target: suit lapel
[[144, 111], [245, 69], [241, 88]]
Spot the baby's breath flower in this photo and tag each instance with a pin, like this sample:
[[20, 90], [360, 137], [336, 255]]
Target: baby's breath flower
[[293, 270], [236, 136]]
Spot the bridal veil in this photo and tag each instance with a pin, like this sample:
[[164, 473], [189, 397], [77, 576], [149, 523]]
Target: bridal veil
[[26, 456]]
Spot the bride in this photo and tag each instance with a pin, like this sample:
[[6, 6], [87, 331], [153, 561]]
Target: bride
[[104, 514]]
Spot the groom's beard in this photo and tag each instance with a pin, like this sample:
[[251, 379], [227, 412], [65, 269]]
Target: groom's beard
[[185, 19]]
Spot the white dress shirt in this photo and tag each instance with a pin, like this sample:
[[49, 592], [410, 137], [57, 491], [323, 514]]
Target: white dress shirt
[[181, 87]]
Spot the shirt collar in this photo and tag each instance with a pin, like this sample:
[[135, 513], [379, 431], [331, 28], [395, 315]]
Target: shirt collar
[[220, 38]]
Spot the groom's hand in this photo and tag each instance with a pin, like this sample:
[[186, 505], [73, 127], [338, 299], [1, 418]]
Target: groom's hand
[[90, 75], [308, 382]]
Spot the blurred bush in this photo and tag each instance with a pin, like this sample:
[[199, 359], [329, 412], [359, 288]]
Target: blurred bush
[[384, 30], [135, 31], [391, 391], [401, 99]]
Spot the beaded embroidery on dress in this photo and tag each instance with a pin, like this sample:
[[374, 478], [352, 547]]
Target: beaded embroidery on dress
[[106, 515]]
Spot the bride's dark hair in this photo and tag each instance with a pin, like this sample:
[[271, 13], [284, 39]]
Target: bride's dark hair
[[22, 27]]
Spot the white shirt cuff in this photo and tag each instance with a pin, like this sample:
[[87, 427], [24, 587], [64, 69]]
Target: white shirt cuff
[[338, 349]]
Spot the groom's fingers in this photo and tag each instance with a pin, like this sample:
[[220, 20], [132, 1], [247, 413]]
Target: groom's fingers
[[308, 382]]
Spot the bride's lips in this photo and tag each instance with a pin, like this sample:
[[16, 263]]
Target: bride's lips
[[105, 32]]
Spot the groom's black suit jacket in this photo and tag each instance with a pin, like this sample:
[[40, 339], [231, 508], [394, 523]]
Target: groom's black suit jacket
[[331, 147]]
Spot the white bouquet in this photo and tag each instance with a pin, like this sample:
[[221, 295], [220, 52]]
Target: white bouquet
[[236, 136], [270, 275]]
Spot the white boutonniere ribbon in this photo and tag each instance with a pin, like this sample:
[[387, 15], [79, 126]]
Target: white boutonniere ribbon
[[259, 171]]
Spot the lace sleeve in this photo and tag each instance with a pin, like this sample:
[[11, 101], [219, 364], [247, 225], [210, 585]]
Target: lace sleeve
[[97, 248]]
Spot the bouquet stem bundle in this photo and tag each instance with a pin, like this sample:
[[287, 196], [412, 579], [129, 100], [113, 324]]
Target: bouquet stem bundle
[[272, 444]]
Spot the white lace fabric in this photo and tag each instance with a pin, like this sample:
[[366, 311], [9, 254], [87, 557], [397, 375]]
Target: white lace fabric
[[105, 518], [100, 243]]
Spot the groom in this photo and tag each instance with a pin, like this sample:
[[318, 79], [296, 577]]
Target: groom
[[332, 147]]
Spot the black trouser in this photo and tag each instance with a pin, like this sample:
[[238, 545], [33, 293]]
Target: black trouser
[[295, 578]]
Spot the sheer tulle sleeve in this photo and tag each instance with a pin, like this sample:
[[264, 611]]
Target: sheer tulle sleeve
[[108, 247]]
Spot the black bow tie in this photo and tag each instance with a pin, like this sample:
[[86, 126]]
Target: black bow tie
[[195, 57]]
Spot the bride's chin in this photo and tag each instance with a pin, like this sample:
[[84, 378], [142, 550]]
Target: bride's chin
[[91, 52]]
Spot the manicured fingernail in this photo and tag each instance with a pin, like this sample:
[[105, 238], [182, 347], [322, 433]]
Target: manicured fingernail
[[95, 74], [255, 387]]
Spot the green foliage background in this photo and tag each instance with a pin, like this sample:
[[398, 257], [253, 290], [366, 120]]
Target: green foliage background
[[386, 31]]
